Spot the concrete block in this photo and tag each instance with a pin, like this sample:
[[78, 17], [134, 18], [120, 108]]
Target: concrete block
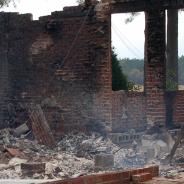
[[104, 161], [22, 129], [29, 169]]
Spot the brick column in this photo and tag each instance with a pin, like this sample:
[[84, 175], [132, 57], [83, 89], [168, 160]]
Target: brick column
[[155, 66], [4, 66]]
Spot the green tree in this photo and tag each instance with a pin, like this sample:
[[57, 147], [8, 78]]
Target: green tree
[[119, 80], [80, 2], [180, 70], [172, 50], [4, 2], [133, 69]]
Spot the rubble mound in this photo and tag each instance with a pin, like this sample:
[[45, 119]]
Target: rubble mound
[[74, 155], [60, 162], [71, 157]]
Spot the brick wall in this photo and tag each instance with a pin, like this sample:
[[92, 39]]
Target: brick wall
[[128, 111], [62, 58], [62, 61], [155, 105], [155, 66], [4, 82], [178, 108], [13, 59], [125, 177]]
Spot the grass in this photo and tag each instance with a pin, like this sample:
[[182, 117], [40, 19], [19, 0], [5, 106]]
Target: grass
[[140, 88]]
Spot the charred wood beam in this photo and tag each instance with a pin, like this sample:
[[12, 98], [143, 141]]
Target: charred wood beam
[[124, 6]]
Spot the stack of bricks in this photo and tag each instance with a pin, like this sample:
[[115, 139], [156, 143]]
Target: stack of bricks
[[124, 177]]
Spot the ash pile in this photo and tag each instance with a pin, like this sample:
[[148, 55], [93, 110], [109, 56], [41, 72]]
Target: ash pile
[[23, 157], [74, 155]]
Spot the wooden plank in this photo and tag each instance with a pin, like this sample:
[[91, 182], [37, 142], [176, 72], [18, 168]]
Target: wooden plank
[[40, 126]]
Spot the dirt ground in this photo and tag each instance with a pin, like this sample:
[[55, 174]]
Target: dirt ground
[[160, 180]]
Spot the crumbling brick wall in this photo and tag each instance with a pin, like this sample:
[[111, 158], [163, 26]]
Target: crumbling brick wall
[[13, 57], [177, 106], [127, 177], [3, 73], [60, 61], [155, 105], [63, 62], [155, 66], [128, 111]]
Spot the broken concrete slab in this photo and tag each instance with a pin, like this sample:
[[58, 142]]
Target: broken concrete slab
[[22, 129]]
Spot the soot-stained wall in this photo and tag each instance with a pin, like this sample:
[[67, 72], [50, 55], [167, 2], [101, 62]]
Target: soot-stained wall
[[60, 61], [63, 62]]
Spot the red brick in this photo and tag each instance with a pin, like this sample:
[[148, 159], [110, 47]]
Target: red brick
[[80, 80], [141, 178], [78, 180], [125, 174], [15, 152], [89, 179], [111, 177], [123, 177]]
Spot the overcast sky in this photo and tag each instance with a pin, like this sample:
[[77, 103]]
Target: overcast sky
[[128, 39]]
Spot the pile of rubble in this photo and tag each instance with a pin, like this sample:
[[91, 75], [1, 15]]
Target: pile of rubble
[[75, 155], [86, 146], [15, 152], [129, 158], [179, 158]]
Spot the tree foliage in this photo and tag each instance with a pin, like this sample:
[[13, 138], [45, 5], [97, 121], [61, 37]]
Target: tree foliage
[[4, 3], [180, 70], [119, 80], [134, 70], [131, 17], [80, 2]]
